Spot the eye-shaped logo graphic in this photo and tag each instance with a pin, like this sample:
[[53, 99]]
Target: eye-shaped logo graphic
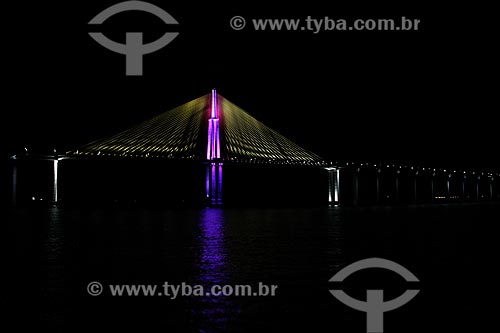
[[133, 48], [374, 305]]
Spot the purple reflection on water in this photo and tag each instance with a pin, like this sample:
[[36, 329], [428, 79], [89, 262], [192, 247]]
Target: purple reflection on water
[[213, 258], [213, 313]]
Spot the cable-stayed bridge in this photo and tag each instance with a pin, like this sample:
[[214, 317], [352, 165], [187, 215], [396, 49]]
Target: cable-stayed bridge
[[219, 137], [209, 129]]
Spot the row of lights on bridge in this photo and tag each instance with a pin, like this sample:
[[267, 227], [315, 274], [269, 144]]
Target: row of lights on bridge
[[289, 162], [416, 169], [193, 157]]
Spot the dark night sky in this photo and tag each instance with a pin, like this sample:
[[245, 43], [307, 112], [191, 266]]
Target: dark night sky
[[390, 96]]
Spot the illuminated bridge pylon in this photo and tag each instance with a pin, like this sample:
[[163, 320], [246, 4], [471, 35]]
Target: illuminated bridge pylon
[[209, 129], [214, 168]]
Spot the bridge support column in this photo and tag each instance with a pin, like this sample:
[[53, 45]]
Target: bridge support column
[[463, 188], [55, 184], [333, 186], [355, 191], [378, 185], [214, 183], [478, 194], [448, 191], [396, 197], [491, 188], [415, 194], [432, 186]]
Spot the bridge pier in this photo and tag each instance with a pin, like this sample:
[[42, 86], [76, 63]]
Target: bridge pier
[[448, 191], [55, 183], [491, 191], [396, 195], [478, 192], [355, 192], [214, 183], [415, 195], [432, 186], [333, 186], [463, 187], [378, 186]]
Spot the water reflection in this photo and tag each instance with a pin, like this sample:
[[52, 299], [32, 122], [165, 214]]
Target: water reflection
[[14, 186], [298, 249], [213, 268], [213, 263], [334, 251], [52, 257]]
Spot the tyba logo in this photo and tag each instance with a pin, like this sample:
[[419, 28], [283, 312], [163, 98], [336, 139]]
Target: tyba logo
[[133, 49], [374, 305]]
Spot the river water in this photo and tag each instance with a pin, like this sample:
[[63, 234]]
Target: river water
[[59, 251]]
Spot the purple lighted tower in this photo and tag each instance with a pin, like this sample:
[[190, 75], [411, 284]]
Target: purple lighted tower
[[214, 166]]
